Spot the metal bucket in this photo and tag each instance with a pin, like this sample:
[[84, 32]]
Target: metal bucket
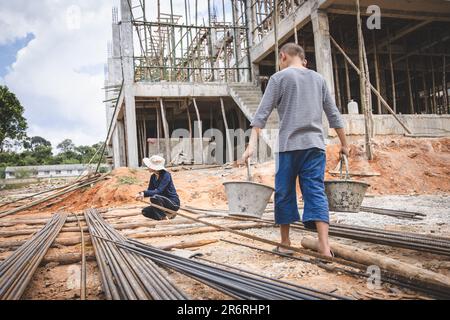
[[345, 195], [248, 199]]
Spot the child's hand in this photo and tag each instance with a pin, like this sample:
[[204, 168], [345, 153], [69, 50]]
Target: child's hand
[[345, 150], [140, 196]]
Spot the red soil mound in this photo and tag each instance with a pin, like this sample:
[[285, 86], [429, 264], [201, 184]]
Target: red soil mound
[[406, 166]]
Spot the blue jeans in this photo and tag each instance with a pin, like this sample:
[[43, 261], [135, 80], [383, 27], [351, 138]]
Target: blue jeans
[[309, 166], [157, 214]]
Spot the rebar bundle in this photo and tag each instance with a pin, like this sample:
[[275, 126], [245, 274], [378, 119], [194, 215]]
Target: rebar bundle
[[126, 275], [17, 270], [395, 278], [412, 241], [400, 214], [240, 285]]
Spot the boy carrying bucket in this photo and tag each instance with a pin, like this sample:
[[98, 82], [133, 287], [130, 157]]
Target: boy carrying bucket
[[300, 96]]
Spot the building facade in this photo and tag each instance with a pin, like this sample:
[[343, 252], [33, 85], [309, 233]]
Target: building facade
[[170, 68], [50, 171]]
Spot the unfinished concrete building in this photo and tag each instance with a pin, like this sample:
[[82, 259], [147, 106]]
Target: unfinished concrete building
[[205, 65]]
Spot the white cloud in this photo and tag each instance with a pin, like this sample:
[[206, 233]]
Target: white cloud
[[58, 76]]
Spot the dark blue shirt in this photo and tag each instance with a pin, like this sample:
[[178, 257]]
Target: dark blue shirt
[[163, 186]]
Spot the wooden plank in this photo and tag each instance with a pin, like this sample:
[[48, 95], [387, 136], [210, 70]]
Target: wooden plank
[[385, 263]]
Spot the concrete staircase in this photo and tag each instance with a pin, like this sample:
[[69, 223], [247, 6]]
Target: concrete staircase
[[248, 96]]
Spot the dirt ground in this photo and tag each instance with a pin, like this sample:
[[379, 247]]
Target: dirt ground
[[413, 175]]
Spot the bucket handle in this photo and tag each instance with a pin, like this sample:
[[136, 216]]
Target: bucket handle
[[249, 171], [344, 159]]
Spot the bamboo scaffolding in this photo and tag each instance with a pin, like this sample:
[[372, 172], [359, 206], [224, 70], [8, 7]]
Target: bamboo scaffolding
[[383, 101], [175, 49]]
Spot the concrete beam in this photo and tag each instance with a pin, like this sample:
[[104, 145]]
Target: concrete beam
[[393, 13], [300, 17], [180, 89]]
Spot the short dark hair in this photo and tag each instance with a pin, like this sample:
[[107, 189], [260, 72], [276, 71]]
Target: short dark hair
[[293, 50]]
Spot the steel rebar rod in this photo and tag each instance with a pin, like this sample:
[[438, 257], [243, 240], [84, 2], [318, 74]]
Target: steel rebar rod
[[17, 270], [229, 282], [83, 262], [126, 275], [438, 290], [258, 288], [419, 242]]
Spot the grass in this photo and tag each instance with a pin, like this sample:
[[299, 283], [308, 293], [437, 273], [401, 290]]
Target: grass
[[127, 180], [14, 186]]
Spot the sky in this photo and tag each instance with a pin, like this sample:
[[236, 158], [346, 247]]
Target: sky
[[52, 56]]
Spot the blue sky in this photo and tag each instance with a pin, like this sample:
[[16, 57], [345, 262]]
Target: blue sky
[[52, 56], [8, 52]]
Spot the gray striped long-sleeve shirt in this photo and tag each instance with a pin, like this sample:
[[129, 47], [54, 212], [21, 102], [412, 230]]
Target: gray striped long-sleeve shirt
[[300, 96]]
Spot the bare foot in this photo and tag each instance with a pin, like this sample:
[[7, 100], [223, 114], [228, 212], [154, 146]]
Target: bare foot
[[283, 251], [325, 250]]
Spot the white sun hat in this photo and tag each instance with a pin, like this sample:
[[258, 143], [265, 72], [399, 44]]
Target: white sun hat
[[155, 163]]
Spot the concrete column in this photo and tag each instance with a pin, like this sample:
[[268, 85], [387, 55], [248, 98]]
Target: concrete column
[[251, 24], [122, 148], [250, 15], [115, 79], [115, 68], [322, 47], [116, 148], [127, 52]]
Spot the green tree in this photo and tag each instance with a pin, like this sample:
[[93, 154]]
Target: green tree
[[66, 146], [43, 154], [67, 151], [33, 142], [83, 152], [12, 122]]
